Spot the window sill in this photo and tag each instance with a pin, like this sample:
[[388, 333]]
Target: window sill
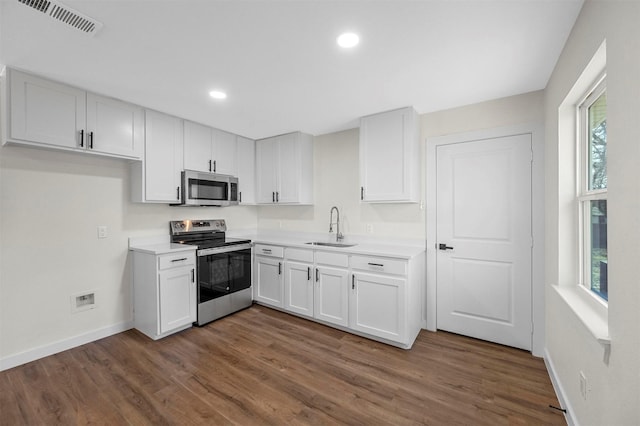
[[592, 313]]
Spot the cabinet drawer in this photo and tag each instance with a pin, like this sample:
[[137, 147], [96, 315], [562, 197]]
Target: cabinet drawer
[[332, 259], [266, 250], [379, 264], [178, 259], [300, 255]]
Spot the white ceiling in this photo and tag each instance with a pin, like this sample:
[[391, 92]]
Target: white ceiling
[[278, 60]]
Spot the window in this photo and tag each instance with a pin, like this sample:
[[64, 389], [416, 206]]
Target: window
[[592, 192]]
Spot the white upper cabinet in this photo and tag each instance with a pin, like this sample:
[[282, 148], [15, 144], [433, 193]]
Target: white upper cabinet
[[114, 127], [224, 153], [157, 179], [209, 150], [45, 112], [390, 157], [197, 147], [49, 114], [284, 169], [266, 170], [246, 162]]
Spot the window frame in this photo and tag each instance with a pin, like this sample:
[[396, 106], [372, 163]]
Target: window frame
[[584, 195]]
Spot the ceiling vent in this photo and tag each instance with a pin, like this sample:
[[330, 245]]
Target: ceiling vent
[[65, 14]]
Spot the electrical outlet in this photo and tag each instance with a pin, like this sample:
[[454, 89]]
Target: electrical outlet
[[102, 231], [369, 228], [83, 301], [583, 385]]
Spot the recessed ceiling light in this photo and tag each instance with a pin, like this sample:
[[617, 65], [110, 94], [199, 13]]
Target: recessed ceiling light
[[217, 94], [348, 40]]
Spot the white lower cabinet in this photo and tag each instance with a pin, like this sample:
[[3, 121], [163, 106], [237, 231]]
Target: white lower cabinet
[[268, 285], [176, 307], [299, 281], [164, 292], [377, 305], [376, 297], [332, 295], [298, 285]]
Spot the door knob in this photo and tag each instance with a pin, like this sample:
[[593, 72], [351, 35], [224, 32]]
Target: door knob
[[444, 247]]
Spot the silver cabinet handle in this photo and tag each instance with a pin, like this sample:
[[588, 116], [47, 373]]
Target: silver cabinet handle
[[82, 138], [279, 268], [209, 165], [353, 281], [179, 260], [317, 277], [178, 193], [308, 273], [90, 140], [193, 275], [214, 166], [376, 264]]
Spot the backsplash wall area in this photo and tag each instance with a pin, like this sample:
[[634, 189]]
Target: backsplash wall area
[[336, 182]]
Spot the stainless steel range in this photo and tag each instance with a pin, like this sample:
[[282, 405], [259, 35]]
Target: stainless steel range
[[223, 267]]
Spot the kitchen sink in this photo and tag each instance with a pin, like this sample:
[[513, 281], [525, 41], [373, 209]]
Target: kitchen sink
[[320, 243]]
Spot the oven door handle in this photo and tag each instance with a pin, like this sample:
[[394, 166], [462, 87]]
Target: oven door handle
[[225, 249]]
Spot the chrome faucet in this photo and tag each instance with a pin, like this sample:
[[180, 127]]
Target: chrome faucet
[[339, 236]]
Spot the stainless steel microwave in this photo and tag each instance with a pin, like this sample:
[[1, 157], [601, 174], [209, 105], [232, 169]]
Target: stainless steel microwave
[[208, 189]]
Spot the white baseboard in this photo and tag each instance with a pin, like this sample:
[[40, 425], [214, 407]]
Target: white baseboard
[[560, 393], [62, 345]]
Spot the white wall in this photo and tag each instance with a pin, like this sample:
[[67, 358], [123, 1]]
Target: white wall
[[50, 206], [613, 395]]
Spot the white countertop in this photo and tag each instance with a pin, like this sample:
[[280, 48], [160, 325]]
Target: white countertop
[[368, 246], [364, 246], [157, 245]]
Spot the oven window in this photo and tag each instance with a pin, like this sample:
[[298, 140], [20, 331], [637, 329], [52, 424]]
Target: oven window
[[240, 269], [222, 274], [200, 189]]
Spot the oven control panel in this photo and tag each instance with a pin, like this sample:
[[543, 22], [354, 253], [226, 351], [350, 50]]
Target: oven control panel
[[202, 225]]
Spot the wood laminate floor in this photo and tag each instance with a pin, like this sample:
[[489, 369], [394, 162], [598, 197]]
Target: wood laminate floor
[[260, 366]]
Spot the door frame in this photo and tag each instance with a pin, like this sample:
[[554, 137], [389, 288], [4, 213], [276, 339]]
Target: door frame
[[536, 131]]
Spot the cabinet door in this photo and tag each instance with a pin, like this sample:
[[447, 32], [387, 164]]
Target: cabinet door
[[268, 281], [266, 170], [177, 298], [224, 153], [378, 306], [46, 112], [331, 295], [246, 161], [384, 151], [163, 157], [197, 147], [298, 288], [114, 127], [288, 167]]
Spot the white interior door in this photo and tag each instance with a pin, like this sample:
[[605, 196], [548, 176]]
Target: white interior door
[[484, 239]]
